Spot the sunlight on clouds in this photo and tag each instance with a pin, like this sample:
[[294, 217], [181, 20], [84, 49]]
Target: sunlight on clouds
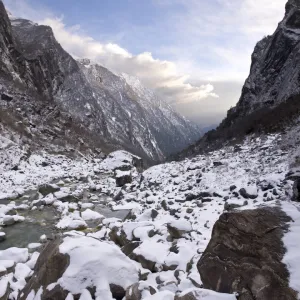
[[159, 75]]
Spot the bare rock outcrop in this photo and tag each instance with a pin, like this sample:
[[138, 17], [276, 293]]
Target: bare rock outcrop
[[245, 255]]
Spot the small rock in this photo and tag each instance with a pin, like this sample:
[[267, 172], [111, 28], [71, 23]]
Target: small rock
[[232, 188], [123, 177], [136, 291], [246, 195], [6, 97], [189, 210], [47, 189], [2, 236]]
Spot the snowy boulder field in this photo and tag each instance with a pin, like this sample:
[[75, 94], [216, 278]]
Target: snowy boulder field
[[70, 230]]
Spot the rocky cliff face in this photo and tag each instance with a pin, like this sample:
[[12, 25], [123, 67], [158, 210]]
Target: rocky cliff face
[[103, 106], [245, 257], [270, 96]]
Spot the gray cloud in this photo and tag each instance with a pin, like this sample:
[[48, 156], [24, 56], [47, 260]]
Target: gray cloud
[[210, 110]]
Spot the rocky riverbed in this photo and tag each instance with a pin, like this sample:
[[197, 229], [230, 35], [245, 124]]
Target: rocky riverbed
[[102, 228]]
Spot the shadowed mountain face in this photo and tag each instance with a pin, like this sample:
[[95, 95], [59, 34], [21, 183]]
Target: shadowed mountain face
[[112, 111], [270, 96]]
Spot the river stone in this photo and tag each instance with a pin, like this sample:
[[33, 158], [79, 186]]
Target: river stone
[[135, 291], [47, 189], [8, 220], [50, 266], [245, 255], [2, 236]]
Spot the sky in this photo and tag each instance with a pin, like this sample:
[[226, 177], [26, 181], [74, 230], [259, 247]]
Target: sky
[[195, 54]]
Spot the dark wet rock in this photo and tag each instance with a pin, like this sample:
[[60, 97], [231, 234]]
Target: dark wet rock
[[265, 185], [237, 148], [174, 248], [217, 195], [129, 248], [119, 237], [135, 291], [6, 97], [164, 205], [204, 194], [246, 195], [119, 196], [296, 190], [191, 295], [217, 163], [2, 237], [57, 293], [117, 291], [123, 179], [69, 198], [205, 200], [245, 255], [147, 264], [46, 189], [190, 197], [177, 233], [50, 266], [232, 206], [232, 188], [154, 214]]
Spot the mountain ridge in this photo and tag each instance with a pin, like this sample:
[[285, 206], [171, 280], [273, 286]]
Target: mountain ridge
[[112, 114], [269, 101]]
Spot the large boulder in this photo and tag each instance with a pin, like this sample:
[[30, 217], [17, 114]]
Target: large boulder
[[50, 266], [245, 256], [78, 263]]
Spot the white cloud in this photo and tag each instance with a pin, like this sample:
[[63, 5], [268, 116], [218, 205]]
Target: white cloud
[[162, 76], [218, 36]]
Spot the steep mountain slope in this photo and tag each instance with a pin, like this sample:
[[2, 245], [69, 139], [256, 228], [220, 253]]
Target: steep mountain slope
[[89, 112], [270, 98], [135, 113]]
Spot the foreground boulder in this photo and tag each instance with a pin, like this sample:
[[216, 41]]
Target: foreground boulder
[[245, 256], [79, 263], [50, 266]]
